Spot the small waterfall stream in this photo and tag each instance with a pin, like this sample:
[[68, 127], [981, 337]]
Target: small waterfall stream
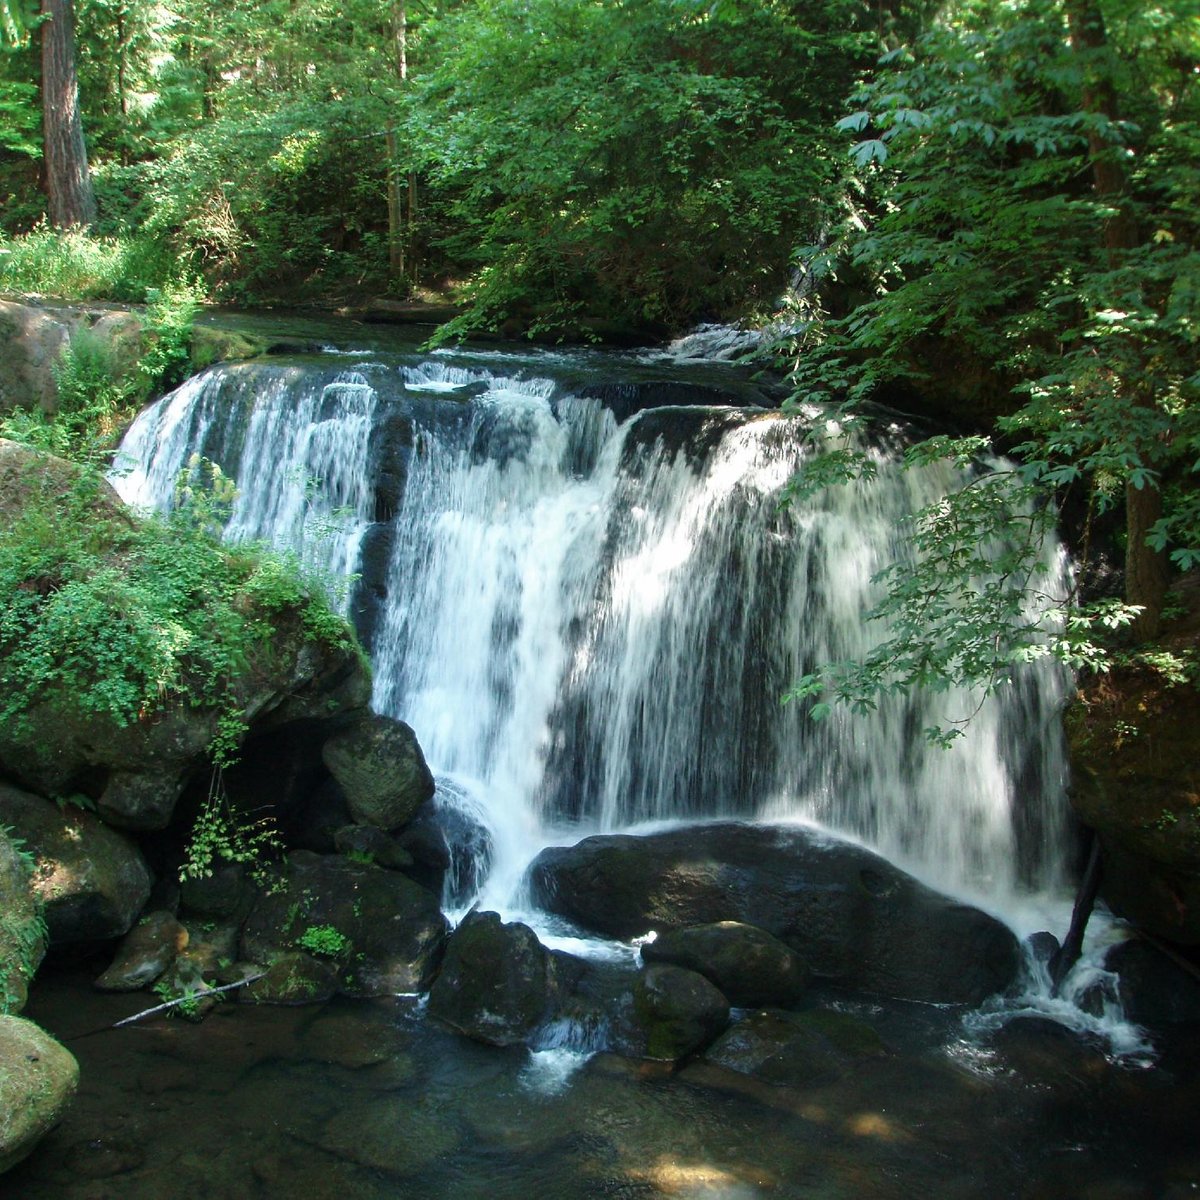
[[589, 615]]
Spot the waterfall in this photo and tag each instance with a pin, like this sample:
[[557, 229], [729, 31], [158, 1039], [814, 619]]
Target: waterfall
[[589, 622]]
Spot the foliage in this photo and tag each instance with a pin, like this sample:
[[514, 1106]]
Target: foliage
[[79, 265], [220, 834], [22, 939], [976, 235], [646, 161], [114, 618], [636, 162], [324, 940]]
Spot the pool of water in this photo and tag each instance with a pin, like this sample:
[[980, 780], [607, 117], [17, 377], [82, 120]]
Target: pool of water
[[372, 1100]]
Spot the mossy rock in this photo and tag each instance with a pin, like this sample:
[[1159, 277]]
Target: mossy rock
[[211, 345], [22, 930], [38, 1077]]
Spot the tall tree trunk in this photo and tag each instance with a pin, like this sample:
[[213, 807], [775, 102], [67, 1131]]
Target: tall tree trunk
[[68, 183], [1146, 572]]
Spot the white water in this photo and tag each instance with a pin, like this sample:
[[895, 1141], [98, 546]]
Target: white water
[[591, 626]]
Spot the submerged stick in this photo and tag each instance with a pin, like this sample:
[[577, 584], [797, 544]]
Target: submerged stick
[[149, 1012]]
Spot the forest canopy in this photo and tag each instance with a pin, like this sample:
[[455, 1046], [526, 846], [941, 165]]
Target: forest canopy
[[986, 206]]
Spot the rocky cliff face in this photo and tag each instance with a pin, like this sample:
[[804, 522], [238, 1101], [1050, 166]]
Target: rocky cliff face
[[1135, 768]]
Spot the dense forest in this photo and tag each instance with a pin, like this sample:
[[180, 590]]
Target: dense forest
[[988, 204]]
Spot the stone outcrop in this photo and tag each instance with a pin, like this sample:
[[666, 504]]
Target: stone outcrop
[[381, 770], [677, 1012], [855, 919], [31, 342], [379, 931], [1135, 779], [38, 1077], [92, 880], [495, 982], [144, 954], [796, 1049]]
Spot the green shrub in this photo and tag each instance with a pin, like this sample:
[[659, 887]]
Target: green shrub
[[114, 618]]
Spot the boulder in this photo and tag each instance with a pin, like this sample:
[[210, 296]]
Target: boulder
[[37, 1080], [92, 880], [495, 981], [678, 1012], [226, 891], [31, 342], [380, 932], [293, 978], [855, 919], [381, 770], [450, 845], [1153, 987], [796, 1049], [144, 954], [752, 968], [366, 843], [22, 930]]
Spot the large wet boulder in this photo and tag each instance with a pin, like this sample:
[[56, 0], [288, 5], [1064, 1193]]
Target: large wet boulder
[[450, 845], [495, 983], [746, 963], [1154, 987], [92, 880], [855, 919], [381, 932], [380, 769], [22, 931], [677, 1012], [38, 1077]]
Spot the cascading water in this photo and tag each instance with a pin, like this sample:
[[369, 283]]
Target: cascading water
[[590, 622]]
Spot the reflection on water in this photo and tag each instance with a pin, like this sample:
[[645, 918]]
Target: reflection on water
[[371, 1100]]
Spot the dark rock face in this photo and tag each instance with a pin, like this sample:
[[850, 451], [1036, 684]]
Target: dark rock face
[[381, 770], [747, 964], [451, 850], [495, 982], [1132, 742], [796, 1049], [677, 1011], [381, 932], [1154, 989], [856, 920], [92, 880]]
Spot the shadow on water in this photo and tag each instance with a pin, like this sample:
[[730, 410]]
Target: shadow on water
[[369, 1099]]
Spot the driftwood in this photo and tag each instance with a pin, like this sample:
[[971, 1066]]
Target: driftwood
[[149, 1012]]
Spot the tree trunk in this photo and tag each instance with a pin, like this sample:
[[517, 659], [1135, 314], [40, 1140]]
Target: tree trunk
[[1146, 573], [68, 183], [395, 207]]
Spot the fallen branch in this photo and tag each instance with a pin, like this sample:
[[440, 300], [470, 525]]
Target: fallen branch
[[184, 999]]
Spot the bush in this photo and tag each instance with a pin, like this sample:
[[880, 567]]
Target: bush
[[114, 618]]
